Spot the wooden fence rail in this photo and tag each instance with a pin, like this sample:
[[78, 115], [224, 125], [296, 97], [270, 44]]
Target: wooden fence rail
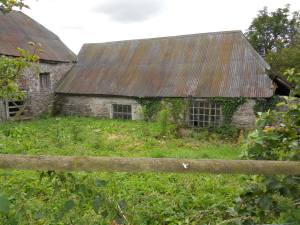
[[117, 164]]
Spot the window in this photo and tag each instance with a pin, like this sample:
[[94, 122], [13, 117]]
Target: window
[[45, 82], [205, 114], [122, 112]]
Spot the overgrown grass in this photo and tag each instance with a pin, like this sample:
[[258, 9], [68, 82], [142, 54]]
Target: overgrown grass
[[101, 198], [95, 137]]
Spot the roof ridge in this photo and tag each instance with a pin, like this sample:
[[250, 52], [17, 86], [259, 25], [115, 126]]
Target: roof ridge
[[177, 36]]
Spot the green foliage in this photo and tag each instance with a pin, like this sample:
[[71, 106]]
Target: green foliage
[[271, 31], [265, 104], [150, 107], [77, 133], [228, 132], [294, 78], [101, 198], [124, 138], [4, 205], [285, 58], [8, 5], [177, 108], [273, 199], [11, 74], [163, 120], [229, 106], [158, 109]]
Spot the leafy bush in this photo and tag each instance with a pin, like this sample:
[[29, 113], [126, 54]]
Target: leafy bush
[[163, 121], [150, 107], [273, 199], [228, 132]]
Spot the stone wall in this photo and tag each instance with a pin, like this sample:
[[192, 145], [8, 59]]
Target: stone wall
[[95, 106], [41, 100], [245, 117], [101, 107]]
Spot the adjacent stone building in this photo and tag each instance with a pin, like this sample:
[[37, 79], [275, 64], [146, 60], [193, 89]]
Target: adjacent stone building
[[56, 59], [109, 78]]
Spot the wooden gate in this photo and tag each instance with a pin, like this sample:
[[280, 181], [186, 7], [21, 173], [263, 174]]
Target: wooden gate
[[3, 110]]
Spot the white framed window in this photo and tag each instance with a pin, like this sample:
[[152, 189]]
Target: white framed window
[[45, 82], [120, 111], [203, 113]]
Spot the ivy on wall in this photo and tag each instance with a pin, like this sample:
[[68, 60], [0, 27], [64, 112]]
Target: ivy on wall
[[150, 107], [229, 106], [177, 107]]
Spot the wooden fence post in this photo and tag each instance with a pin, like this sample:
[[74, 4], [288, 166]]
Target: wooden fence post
[[117, 164]]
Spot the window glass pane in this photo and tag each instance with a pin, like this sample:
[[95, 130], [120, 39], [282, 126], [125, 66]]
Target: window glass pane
[[201, 111], [204, 114], [45, 80], [122, 111]]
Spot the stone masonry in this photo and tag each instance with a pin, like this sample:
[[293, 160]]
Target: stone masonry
[[244, 117], [38, 100], [95, 106], [41, 100]]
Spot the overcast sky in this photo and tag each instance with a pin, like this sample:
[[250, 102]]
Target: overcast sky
[[77, 22]]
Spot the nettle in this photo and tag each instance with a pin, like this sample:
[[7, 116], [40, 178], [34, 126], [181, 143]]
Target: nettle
[[273, 199]]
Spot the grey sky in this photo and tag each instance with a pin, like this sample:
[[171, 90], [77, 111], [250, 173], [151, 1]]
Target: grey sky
[[77, 22], [125, 11]]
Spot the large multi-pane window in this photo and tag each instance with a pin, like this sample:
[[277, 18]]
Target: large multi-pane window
[[203, 113], [122, 112]]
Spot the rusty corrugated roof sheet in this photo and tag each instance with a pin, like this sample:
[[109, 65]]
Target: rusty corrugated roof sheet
[[198, 65], [17, 29]]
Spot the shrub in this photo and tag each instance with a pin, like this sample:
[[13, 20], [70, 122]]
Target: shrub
[[274, 198], [163, 121]]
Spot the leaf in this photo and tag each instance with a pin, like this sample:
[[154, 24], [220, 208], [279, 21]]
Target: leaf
[[70, 204], [122, 204], [4, 205], [265, 202], [100, 183], [96, 204]]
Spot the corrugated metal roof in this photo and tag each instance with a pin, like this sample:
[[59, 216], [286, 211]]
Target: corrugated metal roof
[[198, 65], [17, 29]]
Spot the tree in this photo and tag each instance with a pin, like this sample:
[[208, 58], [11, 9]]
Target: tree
[[11, 73], [11, 68], [8, 5], [272, 31], [285, 58]]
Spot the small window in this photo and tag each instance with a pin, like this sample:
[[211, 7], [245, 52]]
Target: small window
[[205, 114], [122, 112], [45, 82]]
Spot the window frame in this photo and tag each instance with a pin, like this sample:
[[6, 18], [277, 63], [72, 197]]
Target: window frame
[[122, 111], [45, 81], [204, 114]]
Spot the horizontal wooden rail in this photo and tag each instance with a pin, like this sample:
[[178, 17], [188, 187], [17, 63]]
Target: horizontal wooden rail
[[116, 164]]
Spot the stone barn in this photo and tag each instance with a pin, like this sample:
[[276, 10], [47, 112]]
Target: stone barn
[[110, 78], [56, 59]]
